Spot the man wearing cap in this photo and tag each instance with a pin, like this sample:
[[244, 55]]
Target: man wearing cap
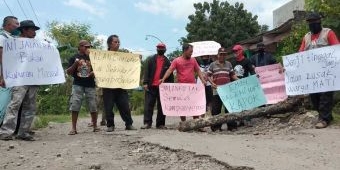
[[186, 67], [242, 65], [319, 37], [262, 58], [83, 83], [220, 72], [156, 66], [25, 95]]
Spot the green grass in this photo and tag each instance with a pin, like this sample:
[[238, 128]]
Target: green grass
[[42, 121], [336, 120]]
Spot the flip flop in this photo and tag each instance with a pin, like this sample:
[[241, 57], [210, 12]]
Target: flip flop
[[72, 132]]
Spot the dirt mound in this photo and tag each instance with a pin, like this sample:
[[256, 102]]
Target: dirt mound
[[289, 123]]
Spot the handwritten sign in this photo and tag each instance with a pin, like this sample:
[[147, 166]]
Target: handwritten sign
[[313, 71], [202, 48], [27, 61], [5, 97], [116, 69], [182, 99], [272, 83], [243, 94]]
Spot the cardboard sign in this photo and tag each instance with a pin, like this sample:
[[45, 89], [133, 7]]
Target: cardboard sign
[[116, 69]]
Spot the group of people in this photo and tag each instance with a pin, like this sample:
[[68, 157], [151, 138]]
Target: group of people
[[159, 69]]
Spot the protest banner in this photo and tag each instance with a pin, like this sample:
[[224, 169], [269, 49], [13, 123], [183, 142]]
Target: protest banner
[[5, 97], [182, 99], [313, 71], [202, 48], [116, 69], [272, 83], [27, 61], [242, 94]]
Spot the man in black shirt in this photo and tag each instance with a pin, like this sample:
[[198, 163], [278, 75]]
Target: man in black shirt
[[83, 83], [262, 58], [242, 65]]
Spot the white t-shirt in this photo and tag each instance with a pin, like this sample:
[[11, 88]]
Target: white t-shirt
[[3, 35]]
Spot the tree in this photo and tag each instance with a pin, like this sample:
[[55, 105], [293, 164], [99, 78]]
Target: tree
[[69, 34], [330, 9], [221, 22], [174, 54]]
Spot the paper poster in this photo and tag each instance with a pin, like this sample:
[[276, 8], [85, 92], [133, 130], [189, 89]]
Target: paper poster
[[313, 71], [272, 83], [182, 99], [202, 48], [242, 94], [27, 61], [116, 69]]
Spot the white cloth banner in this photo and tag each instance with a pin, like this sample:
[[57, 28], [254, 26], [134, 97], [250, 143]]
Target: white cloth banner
[[202, 48], [28, 61], [313, 71]]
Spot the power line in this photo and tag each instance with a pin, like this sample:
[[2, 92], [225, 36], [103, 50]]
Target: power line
[[22, 9], [8, 8], [29, 1]]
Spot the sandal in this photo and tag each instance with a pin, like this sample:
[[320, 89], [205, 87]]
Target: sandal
[[72, 132], [96, 129]]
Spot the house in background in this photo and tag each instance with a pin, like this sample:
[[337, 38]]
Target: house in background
[[283, 19]]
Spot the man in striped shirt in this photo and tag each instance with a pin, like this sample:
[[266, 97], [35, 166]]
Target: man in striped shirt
[[220, 72]]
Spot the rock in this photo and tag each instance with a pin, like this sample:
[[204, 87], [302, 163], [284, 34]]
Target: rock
[[58, 155], [11, 146], [18, 164], [95, 166], [21, 156], [256, 133]]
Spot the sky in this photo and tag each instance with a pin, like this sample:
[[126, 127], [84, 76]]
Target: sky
[[131, 20]]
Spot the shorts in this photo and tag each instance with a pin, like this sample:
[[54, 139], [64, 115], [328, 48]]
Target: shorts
[[77, 96]]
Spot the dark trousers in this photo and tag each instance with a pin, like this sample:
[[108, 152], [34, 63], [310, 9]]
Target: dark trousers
[[323, 103], [119, 97], [216, 106], [151, 97]]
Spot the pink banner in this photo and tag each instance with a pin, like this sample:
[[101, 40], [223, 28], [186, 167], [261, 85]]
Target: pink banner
[[182, 99], [272, 83]]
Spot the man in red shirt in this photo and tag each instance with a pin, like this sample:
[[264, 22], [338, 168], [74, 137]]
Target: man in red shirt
[[154, 70], [186, 67], [319, 37]]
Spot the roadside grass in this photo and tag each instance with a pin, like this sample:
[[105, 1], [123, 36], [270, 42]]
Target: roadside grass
[[41, 121], [336, 120]]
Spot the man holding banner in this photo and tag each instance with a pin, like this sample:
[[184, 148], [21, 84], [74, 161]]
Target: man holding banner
[[186, 67], [83, 83], [118, 96], [25, 95], [319, 37], [220, 72], [10, 25]]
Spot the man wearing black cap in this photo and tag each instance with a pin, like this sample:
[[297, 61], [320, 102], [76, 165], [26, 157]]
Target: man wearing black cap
[[319, 37], [83, 83], [156, 66], [262, 58], [25, 95]]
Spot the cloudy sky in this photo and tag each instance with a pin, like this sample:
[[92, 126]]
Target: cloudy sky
[[132, 20]]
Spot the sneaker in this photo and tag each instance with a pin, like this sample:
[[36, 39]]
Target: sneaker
[[110, 129], [103, 123], [25, 137], [146, 126], [321, 124], [130, 127]]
